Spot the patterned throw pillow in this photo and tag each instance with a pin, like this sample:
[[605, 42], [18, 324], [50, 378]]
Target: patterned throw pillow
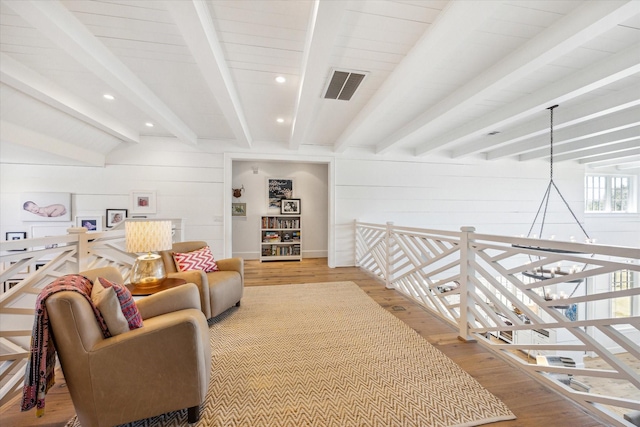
[[201, 259], [107, 302], [128, 305]]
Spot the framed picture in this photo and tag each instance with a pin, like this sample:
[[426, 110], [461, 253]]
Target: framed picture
[[45, 206], [290, 207], [238, 209], [116, 216], [143, 202], [16, 235], [278, 189], [91, 223]]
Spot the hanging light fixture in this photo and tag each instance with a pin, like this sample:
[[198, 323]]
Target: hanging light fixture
[[542, 273], [552, 185]]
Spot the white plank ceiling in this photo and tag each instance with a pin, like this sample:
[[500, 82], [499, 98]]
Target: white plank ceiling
[[446, 77]]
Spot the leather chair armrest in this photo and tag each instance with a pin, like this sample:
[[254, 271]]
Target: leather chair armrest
[[154, 356], [175, 299], [232, 264], [198, 277]]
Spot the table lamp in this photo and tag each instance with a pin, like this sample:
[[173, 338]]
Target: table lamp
[[147, 235]]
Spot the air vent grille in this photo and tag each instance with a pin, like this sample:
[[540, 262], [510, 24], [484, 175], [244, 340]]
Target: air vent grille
[[343, 85]]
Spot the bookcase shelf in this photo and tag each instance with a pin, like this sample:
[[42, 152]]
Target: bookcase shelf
[[280, 238]]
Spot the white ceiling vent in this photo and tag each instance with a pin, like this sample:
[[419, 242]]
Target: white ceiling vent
[[343, 84]]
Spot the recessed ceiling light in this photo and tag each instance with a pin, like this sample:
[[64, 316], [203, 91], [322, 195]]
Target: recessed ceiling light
[[280, 120], [149, 124], [109, 96], [281, 79]]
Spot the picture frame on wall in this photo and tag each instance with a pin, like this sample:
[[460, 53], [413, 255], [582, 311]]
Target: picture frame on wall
[[91, 223], [238, 209], [278, 189], [45, 207], [143, 202], [116, 216], [290, 207], [16, 235]]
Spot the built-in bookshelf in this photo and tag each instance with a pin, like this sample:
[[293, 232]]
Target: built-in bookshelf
[[280, 238]]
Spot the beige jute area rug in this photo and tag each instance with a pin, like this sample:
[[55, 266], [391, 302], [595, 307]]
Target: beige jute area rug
[[325, 354]]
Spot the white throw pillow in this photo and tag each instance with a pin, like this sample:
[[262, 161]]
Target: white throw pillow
[[107, 302]]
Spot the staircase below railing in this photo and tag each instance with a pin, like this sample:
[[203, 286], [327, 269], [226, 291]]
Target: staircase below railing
[[548, 307]]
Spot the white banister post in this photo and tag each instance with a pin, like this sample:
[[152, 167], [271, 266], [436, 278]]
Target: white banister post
[[388, 266], [467, 256], [83, 246], [355, 243]]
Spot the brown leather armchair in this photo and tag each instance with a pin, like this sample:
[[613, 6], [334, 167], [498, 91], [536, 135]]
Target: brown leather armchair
[[161, 367], [219, 290]]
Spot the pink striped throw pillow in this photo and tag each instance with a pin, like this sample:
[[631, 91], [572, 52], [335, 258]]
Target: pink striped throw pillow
[[201, 259]]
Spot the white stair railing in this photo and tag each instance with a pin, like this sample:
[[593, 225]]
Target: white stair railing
[[544, 305], [26, 266]]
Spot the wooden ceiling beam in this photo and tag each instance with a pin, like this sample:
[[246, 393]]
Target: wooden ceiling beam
[[324, 22], [60, 26], [14, 134], [452, 28], [20, 77], [564, 36], [598, 150], [569, 150], [612, 159], [564, 117], [604, 72], [197, 27], [606, 124]]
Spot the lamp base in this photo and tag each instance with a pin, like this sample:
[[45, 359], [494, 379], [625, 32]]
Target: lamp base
[[148, 271]]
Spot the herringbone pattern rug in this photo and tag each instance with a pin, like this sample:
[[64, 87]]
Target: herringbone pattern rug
[[325, 354]]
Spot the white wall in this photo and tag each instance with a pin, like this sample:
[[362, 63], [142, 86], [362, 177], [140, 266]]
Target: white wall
[[497, 197], [310, 186]]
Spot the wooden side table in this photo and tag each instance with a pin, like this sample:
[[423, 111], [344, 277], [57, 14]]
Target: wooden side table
[[168, 283]]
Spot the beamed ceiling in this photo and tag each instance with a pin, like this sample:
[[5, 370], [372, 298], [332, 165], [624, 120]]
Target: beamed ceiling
[[453, 78]]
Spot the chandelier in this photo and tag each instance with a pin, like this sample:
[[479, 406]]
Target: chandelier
[[542, 273]]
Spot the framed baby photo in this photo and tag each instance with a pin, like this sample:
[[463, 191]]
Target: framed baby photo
[[91, 223], [116, 216], [45, 206]]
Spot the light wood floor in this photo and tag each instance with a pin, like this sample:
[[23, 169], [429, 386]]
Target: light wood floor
[[532, 403]]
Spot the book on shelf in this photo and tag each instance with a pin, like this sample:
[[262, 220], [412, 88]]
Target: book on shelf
[[271, 237]]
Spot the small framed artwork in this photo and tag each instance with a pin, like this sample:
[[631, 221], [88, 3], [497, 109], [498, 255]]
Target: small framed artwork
[[45, 206], [278, 189], [115, 216], [143, 202], [290, 207], [16, 235], [91, 223], [238, 209]]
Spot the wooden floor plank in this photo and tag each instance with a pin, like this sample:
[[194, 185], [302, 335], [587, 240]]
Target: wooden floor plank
[[534, 404]]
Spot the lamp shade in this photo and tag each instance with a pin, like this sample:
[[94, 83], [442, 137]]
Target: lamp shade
[[147, 235]]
